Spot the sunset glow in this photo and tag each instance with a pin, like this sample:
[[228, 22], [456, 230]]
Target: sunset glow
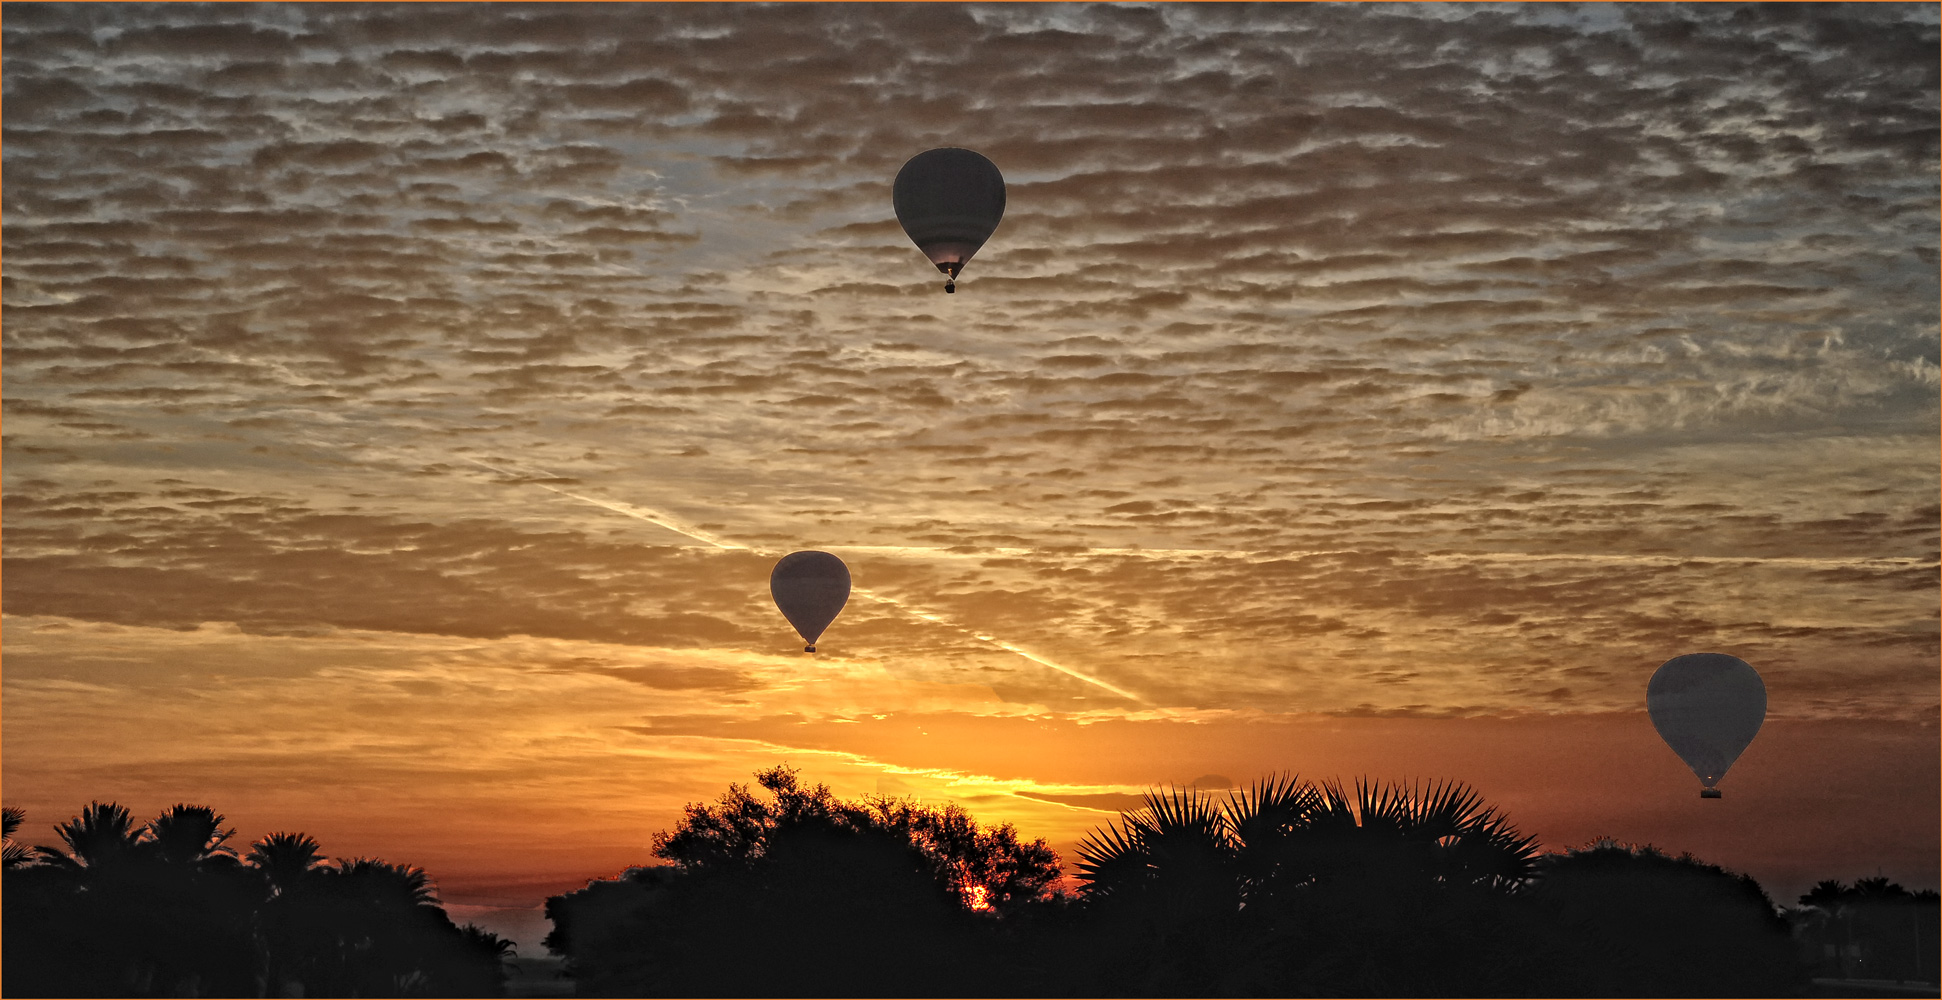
[[406, 404]]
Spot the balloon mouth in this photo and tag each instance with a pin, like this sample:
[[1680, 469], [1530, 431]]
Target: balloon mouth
[[951, 267], [1709, 793]]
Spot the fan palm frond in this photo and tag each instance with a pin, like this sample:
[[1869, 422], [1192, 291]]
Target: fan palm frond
[[1479, 845], [1388, 808], [1114, 858], [1269, 808], [1187, 830], [1261, 820], [1443, 830], [1188, 814], [1332, 810], [1178, 843], [1282, 835]]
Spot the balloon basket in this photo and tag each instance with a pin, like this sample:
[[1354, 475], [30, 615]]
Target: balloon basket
[[1709, 793], [808, 649], [950, 287]]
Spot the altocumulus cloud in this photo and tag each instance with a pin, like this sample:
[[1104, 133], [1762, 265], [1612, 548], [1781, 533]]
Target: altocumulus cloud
[[1325, 352]]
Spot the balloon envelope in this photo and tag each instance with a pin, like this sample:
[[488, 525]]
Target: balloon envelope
[[949, 201], [810, 588], [1707, 707]]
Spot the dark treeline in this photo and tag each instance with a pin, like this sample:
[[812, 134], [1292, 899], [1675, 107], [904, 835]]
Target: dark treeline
[[166, 909], [1287, 888], [1873, 929]]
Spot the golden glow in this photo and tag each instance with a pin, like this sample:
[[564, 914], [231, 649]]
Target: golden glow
[[1261, 437]]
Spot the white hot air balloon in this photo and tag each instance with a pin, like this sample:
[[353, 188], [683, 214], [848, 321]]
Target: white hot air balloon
[[1707, 707], [810, 588], [949, 201]]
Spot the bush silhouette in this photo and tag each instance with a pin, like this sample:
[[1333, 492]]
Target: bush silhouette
[[1633, 921]]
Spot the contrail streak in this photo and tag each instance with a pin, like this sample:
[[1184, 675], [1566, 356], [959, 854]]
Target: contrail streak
[[993, 640], [640, 513], [665, 521]]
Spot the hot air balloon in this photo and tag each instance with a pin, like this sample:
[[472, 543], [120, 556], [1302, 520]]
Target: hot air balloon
[[949, 201], [1707, 707], [810, 588]]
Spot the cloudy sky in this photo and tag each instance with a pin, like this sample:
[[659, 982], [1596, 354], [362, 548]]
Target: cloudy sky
[[405, 404]]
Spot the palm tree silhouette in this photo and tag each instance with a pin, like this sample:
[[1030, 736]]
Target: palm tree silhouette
[[168, 909], [382, 885], [391, 935], [190, 836], [285, 859], [1281, 833], [1177, 855], [1162, 886], [1241, 893], [288, 928], [14, 854], [1875, 928], [489, 943], [1261, 818], [151, 909], [102, 837], [201, 933], [1441, 833]]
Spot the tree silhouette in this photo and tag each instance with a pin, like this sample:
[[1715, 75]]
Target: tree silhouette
[[190, 836], [13, 854], [987, 867], [365, 927], [1279, 834], [289, 924], [819, 888], [1621, 920], [1283, 888], [167, 909], [156, 909], [1288, 885], [101, 838], [1873, 929], [1180, 846], [1163, 892], [286, 859]]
